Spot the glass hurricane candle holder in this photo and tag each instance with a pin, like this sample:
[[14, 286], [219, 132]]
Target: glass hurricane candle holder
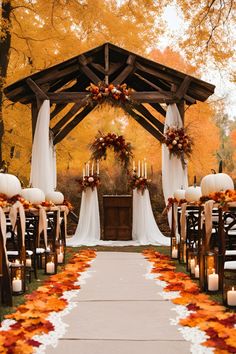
[[61, 253], [17, 271], [174, 248], [213, 273], [50, 262]]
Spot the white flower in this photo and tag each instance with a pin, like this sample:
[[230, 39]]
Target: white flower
[[101, 139], [90, 179], [174, 142], [179, 146]]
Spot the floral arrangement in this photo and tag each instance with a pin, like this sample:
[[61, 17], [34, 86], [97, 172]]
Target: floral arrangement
[[116, 93], [172, 201], [223, 197], [201, 312], [178, 142], [140, 183], [89, 182], [31, 319], [122, 150]]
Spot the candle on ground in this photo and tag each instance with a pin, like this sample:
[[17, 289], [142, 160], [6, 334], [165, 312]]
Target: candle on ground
[[16, 285], [174, 253], [196, 271], [60, 258], [213, 281], [231, 297], [50, 268]]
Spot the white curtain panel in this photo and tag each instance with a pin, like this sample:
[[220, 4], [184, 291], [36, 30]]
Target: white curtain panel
[[42, 173], [174, 176], [145, 230], [88, 229], [53, 161]]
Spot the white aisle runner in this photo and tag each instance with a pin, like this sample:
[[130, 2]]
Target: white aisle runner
[[120, 311]]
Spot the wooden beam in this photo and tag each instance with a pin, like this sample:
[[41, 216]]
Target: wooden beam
[[76, 107], [153, 97], [145, 112], [112, 68], [146, 125], [149, 83], [87, 71], [106, 58], [183, 88], [57, 109], [158, 108], [40, 95], [126, 71], [34, 116], [71, 125], [67, 97]]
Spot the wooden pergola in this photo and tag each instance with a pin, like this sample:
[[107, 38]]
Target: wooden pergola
[[153, 84]]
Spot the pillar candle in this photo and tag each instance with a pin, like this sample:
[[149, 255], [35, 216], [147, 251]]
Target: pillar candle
[[196, 271], [88, 168], [83, 173], [97, 167], [92, 168], [60, 258], [213, 281], [231, 297], [145, 168], [28, 262], [142, 169], [138, 168], [50, 268], [16, 285]]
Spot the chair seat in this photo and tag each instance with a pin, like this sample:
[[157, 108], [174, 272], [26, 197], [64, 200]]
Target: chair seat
[[230, 252], [230, 265]]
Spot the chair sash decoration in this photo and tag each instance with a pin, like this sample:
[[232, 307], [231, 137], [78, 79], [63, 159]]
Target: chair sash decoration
[[16, 209], [183, 221], [208, 222], [42, 226]]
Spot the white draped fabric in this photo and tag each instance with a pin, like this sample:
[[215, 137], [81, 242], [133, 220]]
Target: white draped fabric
[[145, 230], [43, 158], [173, 174], [88, 229]]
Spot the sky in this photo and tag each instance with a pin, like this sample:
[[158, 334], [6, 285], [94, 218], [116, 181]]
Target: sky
[[224, 88]]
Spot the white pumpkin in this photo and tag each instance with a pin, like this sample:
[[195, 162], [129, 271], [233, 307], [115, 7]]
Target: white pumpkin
[[55, 197], [193, 194], [179, 194], [9, 185], [216, 182], [33, 195]]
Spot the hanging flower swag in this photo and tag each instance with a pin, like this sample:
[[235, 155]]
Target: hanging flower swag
[[122, 149], [89, 182], [139, 183], [178, 142], [119, 93]]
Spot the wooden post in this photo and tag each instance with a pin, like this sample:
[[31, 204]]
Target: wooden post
[[34, 116], [106, 53]]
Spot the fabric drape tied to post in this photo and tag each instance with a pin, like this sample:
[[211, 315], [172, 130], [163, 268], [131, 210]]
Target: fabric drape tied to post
[[183, 221], [208, 220], [18, 208], [174, 176], [43, 225], [43, 165], [3, 226]]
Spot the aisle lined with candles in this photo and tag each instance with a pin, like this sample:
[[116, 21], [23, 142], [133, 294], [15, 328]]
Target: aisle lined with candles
[[120, 310]]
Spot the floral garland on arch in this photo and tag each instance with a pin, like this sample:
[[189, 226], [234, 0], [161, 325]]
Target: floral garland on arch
[[118, 93], [178, 142], [121, 148]]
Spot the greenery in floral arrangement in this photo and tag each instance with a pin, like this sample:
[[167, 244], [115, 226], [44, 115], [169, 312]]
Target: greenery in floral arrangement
[[121, 148], [178, 142], [140, 183], [89, 182], [119, 93]]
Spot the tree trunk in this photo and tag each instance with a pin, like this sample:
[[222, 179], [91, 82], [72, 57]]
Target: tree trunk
[[5, 43]]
